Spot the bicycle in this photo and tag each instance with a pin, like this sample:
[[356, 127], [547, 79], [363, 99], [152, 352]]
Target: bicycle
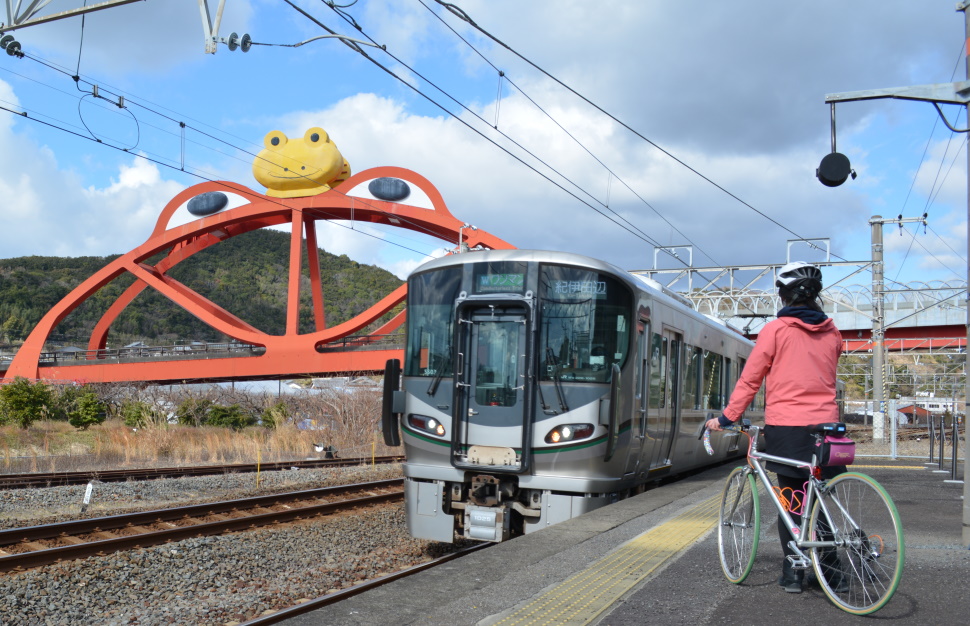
[[852, 537]]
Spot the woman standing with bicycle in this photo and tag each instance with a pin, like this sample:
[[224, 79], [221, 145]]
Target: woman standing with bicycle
[[796, 357]]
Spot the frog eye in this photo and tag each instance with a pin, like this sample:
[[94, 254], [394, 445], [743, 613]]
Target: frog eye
[[316, 136], [274, 140]]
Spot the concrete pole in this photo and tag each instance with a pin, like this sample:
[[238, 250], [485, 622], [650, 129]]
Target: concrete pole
[[966, 396], [878, 335]]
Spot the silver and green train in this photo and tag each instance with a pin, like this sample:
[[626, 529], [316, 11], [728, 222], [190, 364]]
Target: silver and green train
[[537, 386]]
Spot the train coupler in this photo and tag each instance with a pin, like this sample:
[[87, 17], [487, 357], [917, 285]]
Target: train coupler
[[487, 523]]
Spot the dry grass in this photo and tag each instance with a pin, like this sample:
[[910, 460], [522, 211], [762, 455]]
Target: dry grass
[[56, 446], [348, 421]]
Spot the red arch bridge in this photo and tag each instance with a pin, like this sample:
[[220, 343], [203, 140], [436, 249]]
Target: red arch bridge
[[915, 323]]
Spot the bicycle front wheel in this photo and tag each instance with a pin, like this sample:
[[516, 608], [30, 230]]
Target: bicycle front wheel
[[739, 525], [861, 571]]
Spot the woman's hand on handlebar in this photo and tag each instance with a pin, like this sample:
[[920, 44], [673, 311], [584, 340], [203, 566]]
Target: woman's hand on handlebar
[[713, 424], [719, 423]]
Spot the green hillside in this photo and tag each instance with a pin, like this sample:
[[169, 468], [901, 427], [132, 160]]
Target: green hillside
[[246, 275]]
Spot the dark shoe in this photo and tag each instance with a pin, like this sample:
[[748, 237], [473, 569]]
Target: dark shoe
[[791, 579]]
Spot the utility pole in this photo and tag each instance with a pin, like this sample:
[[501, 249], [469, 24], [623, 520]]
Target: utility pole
[[835, 169], [876, 222]]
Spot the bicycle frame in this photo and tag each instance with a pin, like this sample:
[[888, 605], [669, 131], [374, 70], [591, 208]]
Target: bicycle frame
[[814, 487]]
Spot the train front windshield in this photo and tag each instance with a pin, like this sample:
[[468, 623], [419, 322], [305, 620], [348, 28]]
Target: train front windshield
[[431, 321], [583, 323]]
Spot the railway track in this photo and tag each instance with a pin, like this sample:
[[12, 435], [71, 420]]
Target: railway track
[[23, 548], [59, 479]]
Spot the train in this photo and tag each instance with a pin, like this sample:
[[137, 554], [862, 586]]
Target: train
[[539, 385]]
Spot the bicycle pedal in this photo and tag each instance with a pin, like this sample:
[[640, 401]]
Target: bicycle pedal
[[799, 563]]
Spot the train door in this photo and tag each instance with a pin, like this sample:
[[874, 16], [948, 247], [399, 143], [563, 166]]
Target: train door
[[664, 403], [638, 428], [492, 425]]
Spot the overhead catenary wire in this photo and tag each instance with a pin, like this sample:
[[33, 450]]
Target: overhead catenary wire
[[181, 136], [931, 195], [333, 5], [569, 134], [444, 109], [461, 14], [229, 185]]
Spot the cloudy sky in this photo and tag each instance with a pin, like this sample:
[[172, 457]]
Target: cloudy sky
[[726, 100]]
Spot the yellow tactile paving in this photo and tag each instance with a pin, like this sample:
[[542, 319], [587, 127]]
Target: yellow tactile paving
[[582, 597]]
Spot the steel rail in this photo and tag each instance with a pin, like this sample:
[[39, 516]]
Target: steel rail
[[68, 531], [58, 479]]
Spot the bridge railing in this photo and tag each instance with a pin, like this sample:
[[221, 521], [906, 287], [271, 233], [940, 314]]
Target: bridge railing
[[201, 350], [392, 341], [143, 353]]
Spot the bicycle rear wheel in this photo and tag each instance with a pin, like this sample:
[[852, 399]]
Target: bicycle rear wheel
[[861, 573], [739, 525]]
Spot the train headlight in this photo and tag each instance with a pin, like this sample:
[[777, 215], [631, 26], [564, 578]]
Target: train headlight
[[569, 432], [426, 424]]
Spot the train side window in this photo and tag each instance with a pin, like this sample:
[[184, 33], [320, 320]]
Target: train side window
[[692, 377], [658, 372], [712, 380], [728, 381]]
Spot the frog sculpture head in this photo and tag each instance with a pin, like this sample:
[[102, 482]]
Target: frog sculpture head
[[292, 168]]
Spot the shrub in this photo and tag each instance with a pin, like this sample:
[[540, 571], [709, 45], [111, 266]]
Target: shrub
[[275, 416], [136, 414], [193, 411], [23, 402], [229, 417], [89, 410]]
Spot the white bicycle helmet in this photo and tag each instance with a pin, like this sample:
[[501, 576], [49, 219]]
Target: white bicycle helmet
[[800, 278]]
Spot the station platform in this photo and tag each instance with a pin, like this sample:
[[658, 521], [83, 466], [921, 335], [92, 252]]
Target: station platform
[[652, 559]]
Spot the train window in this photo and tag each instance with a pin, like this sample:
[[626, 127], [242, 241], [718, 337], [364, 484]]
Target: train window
[[673, 359], [692, 378], [585, 322], [496, 352], [500, 277], [431, 303], [658, 372], [712, 380]]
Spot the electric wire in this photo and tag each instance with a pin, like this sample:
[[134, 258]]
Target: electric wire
[[462, 15], [158, 158], [569, 134], [447, 6], [229, 185], [930, 196], [632, 230]]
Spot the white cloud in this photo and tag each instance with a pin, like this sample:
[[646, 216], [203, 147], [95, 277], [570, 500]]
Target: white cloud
[[47, 210], [736, 91]]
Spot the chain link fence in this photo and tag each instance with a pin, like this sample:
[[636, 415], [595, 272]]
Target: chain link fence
[[934, 438]]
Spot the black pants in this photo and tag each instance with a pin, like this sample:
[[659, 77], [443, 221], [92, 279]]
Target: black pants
[[794, 490]]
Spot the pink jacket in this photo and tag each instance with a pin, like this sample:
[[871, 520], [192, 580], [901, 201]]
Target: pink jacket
[[798, 360]]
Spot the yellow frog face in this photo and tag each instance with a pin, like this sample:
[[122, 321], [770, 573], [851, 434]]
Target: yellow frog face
[[296, 168]]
